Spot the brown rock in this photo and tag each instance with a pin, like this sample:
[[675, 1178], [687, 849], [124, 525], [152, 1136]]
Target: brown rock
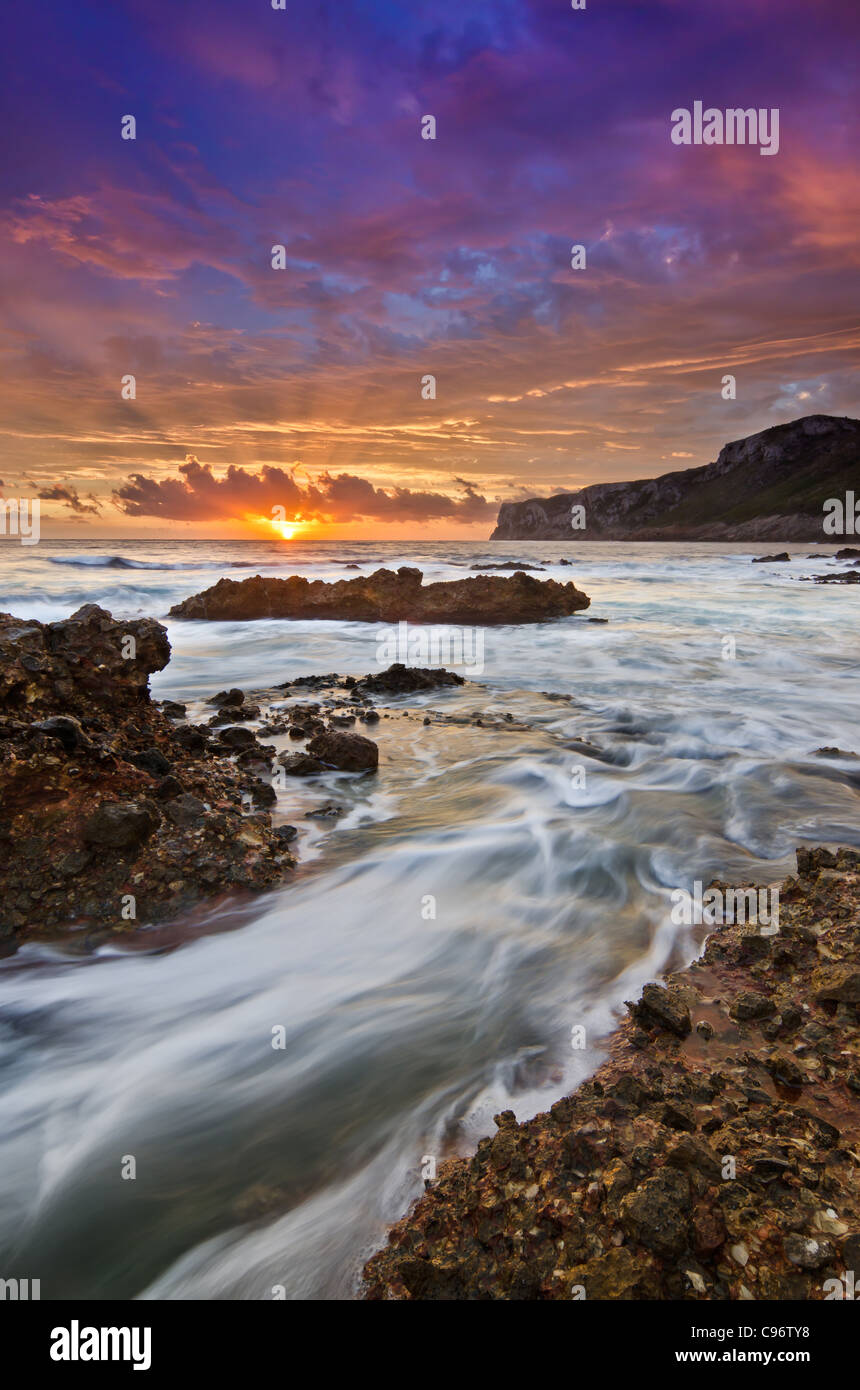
[[389, 598]]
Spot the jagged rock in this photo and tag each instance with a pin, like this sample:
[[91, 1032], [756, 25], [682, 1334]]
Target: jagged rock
[[400, 680], [185, 809], [228, 698], [87, 814], [806, 1252], [507, 565], [772, 559], [235, 736], [349, 752], [389, 598], [64, 728], [663, 1008], [656, 1214], [750, 1005], [837, 984], [151, 760], [301, 765], [121, 824], [79, 662]]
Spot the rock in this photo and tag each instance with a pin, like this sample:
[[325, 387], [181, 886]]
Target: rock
[[228, 698], [263, 793], [772, 559], [694, 1155], [837, 984], [79, 662], [785, 1071], [617, 1275], [169, 788], [806, 1252], [235, 736], [330, 811], [121, 824], [508, 565], [656, 1214], [300, 765], [400, 679], [287, 833], [174, 709], [349, 752], [388, 598], [848, 552], [151, 760], [185, 810], [750, 1005], [64, 728], [663, 1008]]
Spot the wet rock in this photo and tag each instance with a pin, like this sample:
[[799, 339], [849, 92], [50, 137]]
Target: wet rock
[[192, 738], [662, 1008], [772, 559], [807, 1252], [228, 699], [65, 729], [749, 1005], [235, 736], [837, 984], [168, 788], [121, 824], [151, 760], [348, 752], [86, 660], [507, 565], [388, 597], [399, 679], [174, 709], [300, 765], [185, 810], [655, 1215]]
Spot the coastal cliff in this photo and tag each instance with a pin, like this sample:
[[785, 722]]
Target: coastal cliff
[[769, 486]]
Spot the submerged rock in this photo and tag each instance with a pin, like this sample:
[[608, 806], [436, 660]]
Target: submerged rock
[[388, 597], [349, 752]]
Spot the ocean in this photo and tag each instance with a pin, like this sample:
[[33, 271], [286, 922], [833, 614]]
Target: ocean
[[676, 743]]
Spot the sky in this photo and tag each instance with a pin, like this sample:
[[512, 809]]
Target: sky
[[295, 400]]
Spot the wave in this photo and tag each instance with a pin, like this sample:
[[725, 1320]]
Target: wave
[[120, 562]]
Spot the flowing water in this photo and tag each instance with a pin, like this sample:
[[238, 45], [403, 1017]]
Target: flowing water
[[480, 898]]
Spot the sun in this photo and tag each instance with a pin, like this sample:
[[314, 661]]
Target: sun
[[287, 531]]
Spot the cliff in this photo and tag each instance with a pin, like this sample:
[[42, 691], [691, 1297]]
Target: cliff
[[772, 485]]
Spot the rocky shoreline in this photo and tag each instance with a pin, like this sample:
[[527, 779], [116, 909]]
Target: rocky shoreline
[[118, 812], [714, 1155]]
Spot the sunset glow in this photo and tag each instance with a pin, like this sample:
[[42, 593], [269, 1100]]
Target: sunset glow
[[164, 373]]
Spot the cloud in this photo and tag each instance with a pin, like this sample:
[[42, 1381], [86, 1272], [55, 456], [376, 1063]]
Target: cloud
[[69, 497], [198, 495]]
